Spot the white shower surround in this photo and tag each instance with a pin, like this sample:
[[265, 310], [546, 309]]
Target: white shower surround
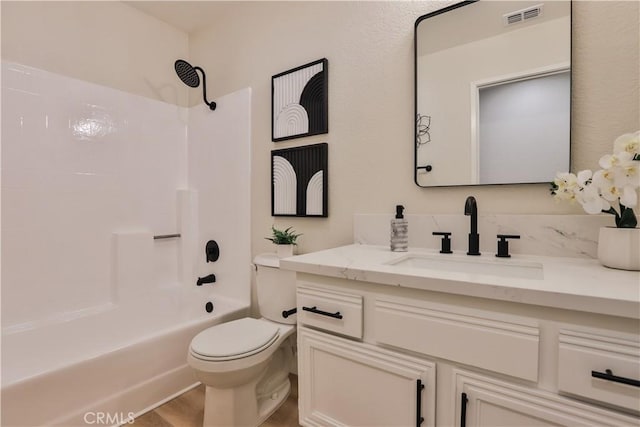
[[87, 171]]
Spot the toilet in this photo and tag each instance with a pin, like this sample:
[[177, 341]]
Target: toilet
[[245, 363]]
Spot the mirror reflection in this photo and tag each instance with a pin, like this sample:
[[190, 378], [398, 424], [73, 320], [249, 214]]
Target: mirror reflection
[[493, 89]]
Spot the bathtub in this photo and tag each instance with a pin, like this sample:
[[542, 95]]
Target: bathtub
[[101, 367]]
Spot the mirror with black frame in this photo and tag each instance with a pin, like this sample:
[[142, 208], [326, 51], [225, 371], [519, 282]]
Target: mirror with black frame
[[493, 93]]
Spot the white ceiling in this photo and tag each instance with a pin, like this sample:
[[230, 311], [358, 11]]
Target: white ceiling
[[188, 16]]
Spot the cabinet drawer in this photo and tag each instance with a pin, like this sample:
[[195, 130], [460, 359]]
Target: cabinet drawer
[[500, 343], [330, 310], [491, 402], [600, 367]]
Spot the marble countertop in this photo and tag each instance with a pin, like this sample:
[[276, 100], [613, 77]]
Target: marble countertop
[[567, 283]]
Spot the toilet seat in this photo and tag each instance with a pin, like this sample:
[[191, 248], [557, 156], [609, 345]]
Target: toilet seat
[[234, 340]]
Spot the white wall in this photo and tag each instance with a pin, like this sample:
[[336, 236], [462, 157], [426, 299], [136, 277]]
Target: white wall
[[104, 42], [369, 46]]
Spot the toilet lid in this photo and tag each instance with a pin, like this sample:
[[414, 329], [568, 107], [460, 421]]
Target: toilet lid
[[235, 339]]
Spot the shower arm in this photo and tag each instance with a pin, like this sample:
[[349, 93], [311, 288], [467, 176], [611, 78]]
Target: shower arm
[[212, 104]]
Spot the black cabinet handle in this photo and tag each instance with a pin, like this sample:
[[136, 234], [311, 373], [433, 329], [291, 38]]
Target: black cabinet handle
[[608, 375], [314, 309], [463, 410], [287, 313], [419, 417]]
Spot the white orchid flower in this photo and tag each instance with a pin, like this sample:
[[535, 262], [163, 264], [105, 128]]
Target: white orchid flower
[[591, 200], [611, 193], [603, 178], [612, 189], [566, 186], [629, 197], [605, 182], [589, 195], [628, 172], [583, 177], [609, 161], [629, 142]]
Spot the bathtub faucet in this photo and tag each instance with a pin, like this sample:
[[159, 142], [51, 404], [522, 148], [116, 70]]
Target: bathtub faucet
[[206, 279]]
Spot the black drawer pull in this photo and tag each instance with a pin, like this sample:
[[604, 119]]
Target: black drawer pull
[[419, 417], [313, 309], [608, 375], [463, 410]]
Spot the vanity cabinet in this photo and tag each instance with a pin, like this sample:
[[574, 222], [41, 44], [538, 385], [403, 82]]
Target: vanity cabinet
[[366, 350], [348, 383]]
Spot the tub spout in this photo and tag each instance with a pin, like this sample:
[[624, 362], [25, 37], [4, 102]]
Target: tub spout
[[206, 279]]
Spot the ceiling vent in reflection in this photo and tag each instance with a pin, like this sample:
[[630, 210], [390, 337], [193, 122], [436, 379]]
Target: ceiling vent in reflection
[[522, 15]]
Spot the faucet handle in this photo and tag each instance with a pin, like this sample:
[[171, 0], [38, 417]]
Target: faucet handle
[[503, 244], [446, 241]]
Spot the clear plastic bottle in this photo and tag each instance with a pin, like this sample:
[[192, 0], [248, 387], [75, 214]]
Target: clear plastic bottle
[[399, 231]]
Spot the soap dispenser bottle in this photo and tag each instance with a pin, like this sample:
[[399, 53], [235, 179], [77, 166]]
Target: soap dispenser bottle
[[399, 231]]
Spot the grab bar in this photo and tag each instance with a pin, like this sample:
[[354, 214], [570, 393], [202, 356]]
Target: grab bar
[[165, 236]]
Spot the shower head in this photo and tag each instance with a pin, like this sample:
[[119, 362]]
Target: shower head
[[189, 76], [187, 73]]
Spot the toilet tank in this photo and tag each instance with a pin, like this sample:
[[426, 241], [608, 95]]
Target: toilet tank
[[276, 289]]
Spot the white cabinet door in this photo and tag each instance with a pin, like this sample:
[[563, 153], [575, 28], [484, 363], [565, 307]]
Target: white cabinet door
[[348, 383], [484, 401]]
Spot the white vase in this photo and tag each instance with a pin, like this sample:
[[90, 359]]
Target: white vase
[[284, 251], [619, 248]]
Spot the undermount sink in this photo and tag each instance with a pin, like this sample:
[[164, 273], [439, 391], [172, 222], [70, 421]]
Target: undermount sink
[[472, 265]]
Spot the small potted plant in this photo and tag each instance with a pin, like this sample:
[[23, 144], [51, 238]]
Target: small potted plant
[[284, 240]]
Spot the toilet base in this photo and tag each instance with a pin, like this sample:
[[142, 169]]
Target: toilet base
[[269, 405], [250, 404], [239, 407]]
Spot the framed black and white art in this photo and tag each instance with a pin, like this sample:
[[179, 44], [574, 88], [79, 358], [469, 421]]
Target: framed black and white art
[[299, 181], [299, 105]]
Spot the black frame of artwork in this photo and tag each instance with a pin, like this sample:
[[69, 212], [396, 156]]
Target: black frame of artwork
[[306, 161], [315, 94]]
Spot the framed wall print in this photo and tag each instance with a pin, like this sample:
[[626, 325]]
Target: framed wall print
[[299, 181], [299, 104]]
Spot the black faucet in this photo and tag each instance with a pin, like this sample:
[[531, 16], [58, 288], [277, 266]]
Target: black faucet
[[471, 209]]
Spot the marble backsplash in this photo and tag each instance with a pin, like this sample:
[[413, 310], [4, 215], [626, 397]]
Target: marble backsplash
[[573, 236]]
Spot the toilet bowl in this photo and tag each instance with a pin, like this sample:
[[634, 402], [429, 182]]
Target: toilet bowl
[[244, 364]]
